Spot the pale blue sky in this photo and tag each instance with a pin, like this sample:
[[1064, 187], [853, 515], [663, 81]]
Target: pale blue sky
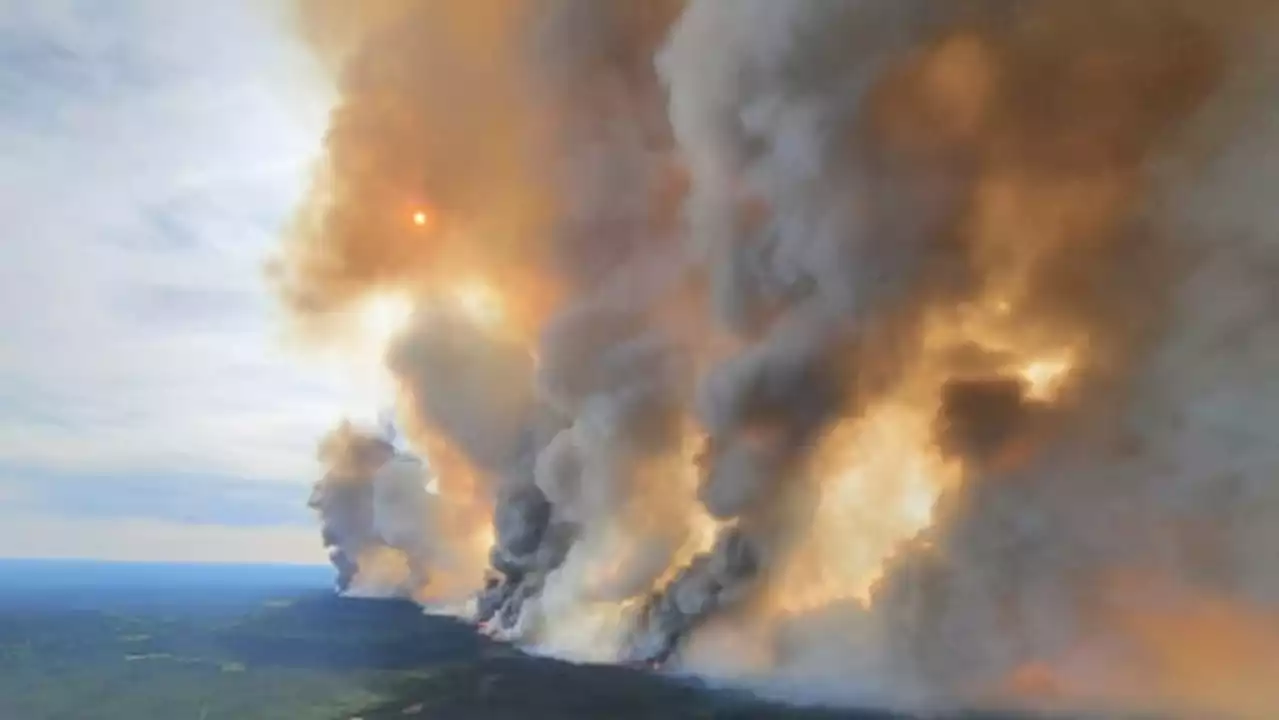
[[149, 153]]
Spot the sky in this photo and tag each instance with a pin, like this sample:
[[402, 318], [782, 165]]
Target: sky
[[151, 151]]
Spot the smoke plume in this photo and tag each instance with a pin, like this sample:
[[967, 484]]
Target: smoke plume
[[917, 352], [363, 500]]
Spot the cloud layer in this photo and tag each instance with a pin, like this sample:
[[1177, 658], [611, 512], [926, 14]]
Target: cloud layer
[[151, 154]]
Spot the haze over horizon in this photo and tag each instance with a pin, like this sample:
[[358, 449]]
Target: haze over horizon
[[148, 408]]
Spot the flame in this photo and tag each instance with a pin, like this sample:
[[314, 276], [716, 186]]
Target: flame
[[880, 474], [879, 477]]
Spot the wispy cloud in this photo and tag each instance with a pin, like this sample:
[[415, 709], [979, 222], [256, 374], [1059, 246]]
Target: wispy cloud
[[181, 497], [151, 153], [55, 536]]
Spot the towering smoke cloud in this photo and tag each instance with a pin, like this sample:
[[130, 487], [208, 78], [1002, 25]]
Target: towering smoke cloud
[[374, 513], [915, 351]]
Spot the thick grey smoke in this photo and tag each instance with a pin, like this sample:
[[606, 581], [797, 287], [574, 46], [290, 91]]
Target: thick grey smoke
[[375, 513], [930, 342], [1138, 526]]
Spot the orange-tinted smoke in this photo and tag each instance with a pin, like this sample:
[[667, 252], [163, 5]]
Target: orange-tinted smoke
[[1055, 108], [430, 166], [1088, 106], [1156, 646]]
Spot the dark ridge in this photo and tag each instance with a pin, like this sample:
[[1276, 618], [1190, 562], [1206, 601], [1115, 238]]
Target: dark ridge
[[458, 673], [529, 688], [328, 631]]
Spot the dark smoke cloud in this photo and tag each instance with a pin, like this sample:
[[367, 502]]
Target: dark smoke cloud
[[346, 500]]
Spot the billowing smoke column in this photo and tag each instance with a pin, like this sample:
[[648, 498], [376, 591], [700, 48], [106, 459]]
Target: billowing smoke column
[[373, 507], [918, 351]]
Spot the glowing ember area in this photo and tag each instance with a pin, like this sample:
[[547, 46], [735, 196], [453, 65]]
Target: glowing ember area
[[850, 344], [879, 478]]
